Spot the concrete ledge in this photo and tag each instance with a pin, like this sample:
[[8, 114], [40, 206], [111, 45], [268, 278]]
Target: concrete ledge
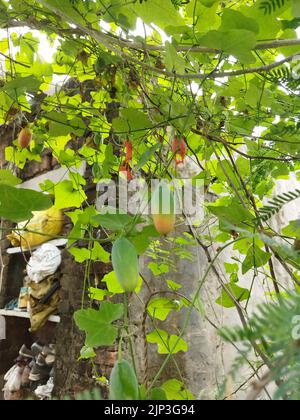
[[21, 314], [55, 176]]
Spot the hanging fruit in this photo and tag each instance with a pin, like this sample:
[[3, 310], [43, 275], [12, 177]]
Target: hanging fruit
[[179, 150], [123, 382], [25, 137], [163, 208], [125, 264], [127, 171], [83, 56], [129, 151]]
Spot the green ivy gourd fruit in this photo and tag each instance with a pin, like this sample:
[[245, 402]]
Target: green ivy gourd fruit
[[125, 264], [163, 208], [123, 382]]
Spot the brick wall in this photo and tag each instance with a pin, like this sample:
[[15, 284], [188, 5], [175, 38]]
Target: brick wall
[[72, 376]]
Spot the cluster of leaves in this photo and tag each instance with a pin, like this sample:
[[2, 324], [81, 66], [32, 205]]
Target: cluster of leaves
[[209, 83]]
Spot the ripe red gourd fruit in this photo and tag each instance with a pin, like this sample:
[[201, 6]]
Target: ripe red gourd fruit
[[129, 151], [179, 149], [127, 171], [25, 137], [163, 208]]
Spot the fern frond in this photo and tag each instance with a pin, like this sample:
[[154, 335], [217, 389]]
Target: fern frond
[[271, 6], [284, 76], [290, 130], [179, 3], [275, 205]]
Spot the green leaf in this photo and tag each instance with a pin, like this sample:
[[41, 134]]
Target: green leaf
[[296, 8], [17, 204], [174, 62], [158, 394], [58, 124], [146, 156], [98, 324], [112, 283], [234, 213], [87, 353], [238, 42], [97, 253], [80, 254], [20, 157], [114, 286], [231, 268], [161, 13], [109, 161], [255, 258], [167, 344], [232, 19], [142, 239], [133, 122], [293, 229], [243, 165], [84, 217], [176, 390], [238, 292], [66, 196], [225, 166], [173, 285], [8, 178], [67, 7], [61, 125], [161, 307], [97, 294], [158, 269], [114, 222], [20, 85], [47, 186], [209, 3]]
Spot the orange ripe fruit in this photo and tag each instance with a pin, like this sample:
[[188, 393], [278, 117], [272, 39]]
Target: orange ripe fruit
[[129, 151], [164, 223], [127, 171], [163, 209], [25, 137], [179, 148]]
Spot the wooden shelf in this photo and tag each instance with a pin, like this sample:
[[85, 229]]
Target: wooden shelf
[[21, 314], [55, 242]]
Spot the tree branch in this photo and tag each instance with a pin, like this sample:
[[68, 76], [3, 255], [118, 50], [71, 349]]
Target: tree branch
[[124, 43], [258, 387], [14, 61], [110, 43], [224, 142]]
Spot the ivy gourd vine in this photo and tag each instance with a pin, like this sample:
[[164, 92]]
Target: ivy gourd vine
[[162, 90]]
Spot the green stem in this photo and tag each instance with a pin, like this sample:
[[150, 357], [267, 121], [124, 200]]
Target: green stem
[[51, 237], [126, 327]]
